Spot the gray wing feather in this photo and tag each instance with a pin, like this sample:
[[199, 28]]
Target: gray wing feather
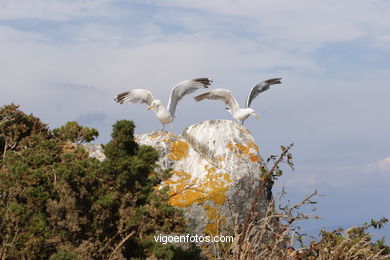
[[261, 87], [184, 88], [138, 96], [220, 94]]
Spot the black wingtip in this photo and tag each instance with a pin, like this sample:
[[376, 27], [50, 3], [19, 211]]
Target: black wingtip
[[205, 81], [120, 97], [273, 81]]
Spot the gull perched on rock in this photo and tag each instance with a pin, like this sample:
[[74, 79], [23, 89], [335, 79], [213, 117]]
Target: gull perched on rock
[[240, 114], [165, 115]]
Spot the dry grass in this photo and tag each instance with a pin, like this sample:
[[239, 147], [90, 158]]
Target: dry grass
[[275, 235]]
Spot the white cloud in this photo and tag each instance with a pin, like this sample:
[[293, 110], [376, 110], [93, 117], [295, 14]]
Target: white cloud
[[304, 23], [384, 165], [56, 10]]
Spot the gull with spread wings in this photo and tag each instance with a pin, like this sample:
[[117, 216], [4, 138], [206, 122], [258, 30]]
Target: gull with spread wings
[[240, 114], [165, 115]]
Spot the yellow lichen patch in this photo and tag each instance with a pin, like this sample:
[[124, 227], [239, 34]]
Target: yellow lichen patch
[[211, 212], [242, 151], [215, 220], [209, 191], [210, 169], [211, 228], [242, 148], [213, 216], [254, 158], [154, 136], [179, 150], [185, 191], [253, 145], [216, 185], [181, 194], [178, 181], [230, 146]]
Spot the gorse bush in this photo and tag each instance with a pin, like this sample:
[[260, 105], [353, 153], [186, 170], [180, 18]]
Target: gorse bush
[[57, 203]]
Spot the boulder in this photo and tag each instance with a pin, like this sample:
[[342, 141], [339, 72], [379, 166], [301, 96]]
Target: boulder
[[215, 171]]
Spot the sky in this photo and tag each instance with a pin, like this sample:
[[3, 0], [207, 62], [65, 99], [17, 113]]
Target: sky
[[65, 60]]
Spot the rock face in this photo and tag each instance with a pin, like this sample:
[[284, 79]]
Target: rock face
[[216, 166]]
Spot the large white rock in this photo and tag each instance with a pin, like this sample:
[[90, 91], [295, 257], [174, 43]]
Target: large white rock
[[216, 168]]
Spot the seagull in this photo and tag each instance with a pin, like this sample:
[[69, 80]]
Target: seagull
[[165, 115], [240, 114]]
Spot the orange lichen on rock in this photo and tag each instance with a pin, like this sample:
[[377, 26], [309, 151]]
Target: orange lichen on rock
[[253, 145], [215, 220], [154, 136], [182, 179], [180, 185], [210, 169], [216, 185], [242, 148], [213, 216], [185, 191], [179, 150], [242, 151], [208, 191]]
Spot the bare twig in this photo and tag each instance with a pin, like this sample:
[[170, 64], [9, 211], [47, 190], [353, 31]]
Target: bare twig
[[180, 191], [120, 244], [262, 182]]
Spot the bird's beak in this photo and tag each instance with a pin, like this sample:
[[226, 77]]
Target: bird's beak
[[256, 116], [150, 107]]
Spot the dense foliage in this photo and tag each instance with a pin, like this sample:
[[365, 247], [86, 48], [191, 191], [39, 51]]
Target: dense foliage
[[57, 203]]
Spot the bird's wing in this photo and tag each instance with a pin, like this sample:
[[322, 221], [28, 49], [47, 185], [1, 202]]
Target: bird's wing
[[261, 87], [184, 88], [220, 94], [140, 96]]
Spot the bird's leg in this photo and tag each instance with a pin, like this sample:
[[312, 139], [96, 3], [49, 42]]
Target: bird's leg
[[163, 129], [172, 127], [242, 122]]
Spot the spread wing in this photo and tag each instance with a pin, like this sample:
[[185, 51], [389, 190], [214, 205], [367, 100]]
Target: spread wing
[[138, 96], [184, 88], [220, 94], [261, 87]]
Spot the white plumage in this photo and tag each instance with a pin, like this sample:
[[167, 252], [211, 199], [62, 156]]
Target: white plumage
[[165, 115], [240, 114]]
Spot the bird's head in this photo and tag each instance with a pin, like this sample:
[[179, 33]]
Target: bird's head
[[252, 112], [155, 103]]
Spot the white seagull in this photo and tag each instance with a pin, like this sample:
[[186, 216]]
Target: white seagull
[[166, 116], [240, 114]]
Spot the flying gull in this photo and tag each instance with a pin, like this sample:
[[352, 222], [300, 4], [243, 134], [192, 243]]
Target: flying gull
[[240, 114], [165, 115]]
